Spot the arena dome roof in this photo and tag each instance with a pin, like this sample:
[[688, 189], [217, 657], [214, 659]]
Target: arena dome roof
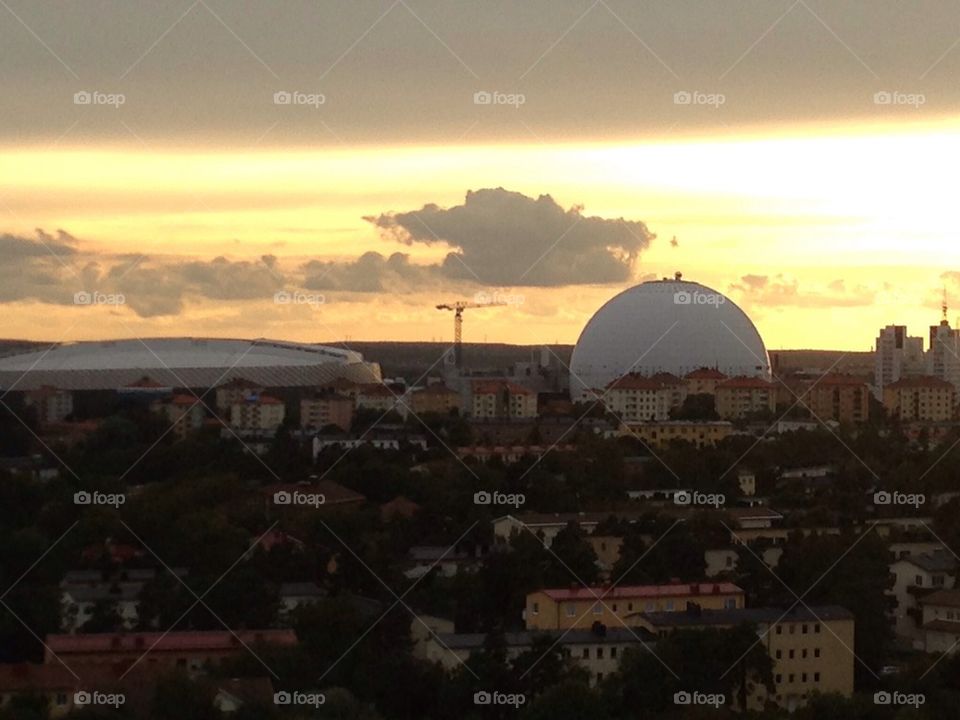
[[178, 362], [672, 326]]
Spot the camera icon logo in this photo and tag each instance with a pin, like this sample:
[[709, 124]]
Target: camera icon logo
[[882, 698], [82, 98], [883, 98], [282, 497], [482, 97], [82, 298], [82, 498], [682, 698], [682, 98], [682, 498], [682, 297], [882, 498], [282, 97], [282, 698], [81, 697], [482, 697], [282, 297], [482, 498]]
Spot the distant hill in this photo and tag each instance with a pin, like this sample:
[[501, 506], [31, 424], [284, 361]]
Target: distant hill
[[10, 347], [413, 359]]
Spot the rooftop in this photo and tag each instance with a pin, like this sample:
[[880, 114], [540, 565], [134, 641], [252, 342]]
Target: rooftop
[[159, 642], [944, 598], [642, 591]]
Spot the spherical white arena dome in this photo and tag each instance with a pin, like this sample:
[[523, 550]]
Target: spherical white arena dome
[[671, 326]]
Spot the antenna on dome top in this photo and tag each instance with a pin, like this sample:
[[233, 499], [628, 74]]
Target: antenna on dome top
[[678, 276]]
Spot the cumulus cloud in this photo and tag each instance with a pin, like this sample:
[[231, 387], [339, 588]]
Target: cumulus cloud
[[782, 291], [52, 268], [500, 237], [496, 239]]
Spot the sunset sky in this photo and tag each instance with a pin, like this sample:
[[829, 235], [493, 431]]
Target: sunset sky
[[811, 176]]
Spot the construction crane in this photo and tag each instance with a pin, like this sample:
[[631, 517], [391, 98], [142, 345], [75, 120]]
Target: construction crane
[[458, 307]]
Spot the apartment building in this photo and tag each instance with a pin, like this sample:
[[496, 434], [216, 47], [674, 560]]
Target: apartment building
[[501, 399], [635, 398], [838, 397], [185, 413], [811, 648], [325, 409], [941, 621], [597, 650], [580, 608], [257, 414], [914, 578], [191, 651], [703, 381], [52, 405], [741, 397], [436, 398], [702, 433], [923, 398]]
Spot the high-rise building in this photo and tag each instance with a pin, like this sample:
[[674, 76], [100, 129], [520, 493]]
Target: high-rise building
[[943, 358], [897, 356]]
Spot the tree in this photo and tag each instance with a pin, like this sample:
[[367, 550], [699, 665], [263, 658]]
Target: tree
[[574, 558]]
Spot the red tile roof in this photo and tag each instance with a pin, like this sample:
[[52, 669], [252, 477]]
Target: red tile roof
[[643, 591], [635, 382], [435, 389], [171, 642], [839, 379], [25, 677], [705, 374], [494, 387], [746, 383]]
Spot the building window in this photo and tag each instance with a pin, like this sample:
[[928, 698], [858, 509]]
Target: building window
[[613, 652], [779, 654], [803, 629], [599, 653], [778, 679], [586, 653], [598, 609], [816, 628], [791, 655], [61, 699], [790, 677], [816, 652], [793, 629], [803, 653], [803, 678], [816, 677], [536, 608], [779, 630], [669, 605], [571, 610]]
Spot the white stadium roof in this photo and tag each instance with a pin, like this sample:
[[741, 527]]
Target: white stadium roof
[[670, 326], [179, 362]]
